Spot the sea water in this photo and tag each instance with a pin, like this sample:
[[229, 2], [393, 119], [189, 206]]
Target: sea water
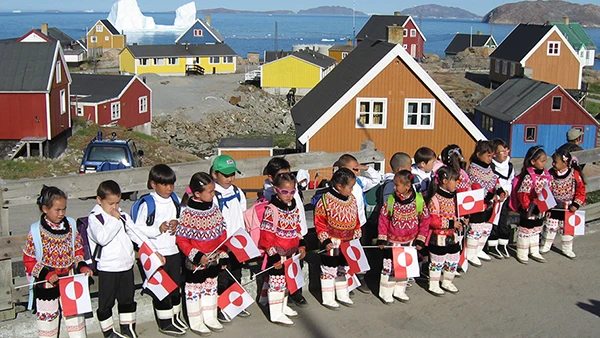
[[256, 32]]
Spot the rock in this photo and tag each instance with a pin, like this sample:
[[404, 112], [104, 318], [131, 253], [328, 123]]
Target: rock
[[431, 58]]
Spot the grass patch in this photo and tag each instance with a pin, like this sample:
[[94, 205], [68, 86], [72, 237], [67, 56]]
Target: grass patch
[[286, 140], [594, 87], [33, 168], [592, 197], [592, 107]]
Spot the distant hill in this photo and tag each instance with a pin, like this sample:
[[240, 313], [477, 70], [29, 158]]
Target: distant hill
[[437, 11], [238, 11], [540, 12], [330, 10]]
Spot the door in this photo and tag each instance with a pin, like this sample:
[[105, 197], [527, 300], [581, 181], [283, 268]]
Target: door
[[413, 50]]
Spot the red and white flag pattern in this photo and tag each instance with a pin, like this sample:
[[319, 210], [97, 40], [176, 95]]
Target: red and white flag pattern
[[150, 261], [406, 263], [545, 201], [353, 282], [462, 261], [242, 246], [470, 202], [355, 256], [263, 299], [294, 278], [496, 211], [574, 223], [160, 284], [75, 295], [234, 300]]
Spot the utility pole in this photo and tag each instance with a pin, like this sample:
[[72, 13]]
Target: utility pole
[[471, 38], [275, 46], [353, 21], [492, 23]]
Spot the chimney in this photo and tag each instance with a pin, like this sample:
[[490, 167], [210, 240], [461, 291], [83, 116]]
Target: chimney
[[478, 32], [44, 28], [349, 42], [566, 20], [397, 13], [208, 19], [395, 34]]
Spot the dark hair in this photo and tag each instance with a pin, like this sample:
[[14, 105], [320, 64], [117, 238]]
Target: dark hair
[[400, 160], [109, 187], [452, 157], [443, 173], [161, 174], [276, 164], [198, 183], [499, 142], [342, 177], [344, 160], [283, 177], [533, 154], [565, 156], [482, 147], [405, 176], [424, 154], [48, 195]]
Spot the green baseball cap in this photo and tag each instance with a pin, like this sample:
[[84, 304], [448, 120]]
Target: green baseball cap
[[224, 164]]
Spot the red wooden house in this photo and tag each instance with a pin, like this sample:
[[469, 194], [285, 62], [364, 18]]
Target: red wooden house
[[34, 95], [123, 100], [378, 28]]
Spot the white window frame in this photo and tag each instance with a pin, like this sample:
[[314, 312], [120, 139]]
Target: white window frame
[[344, 54], [211, 58], [553, 48], [487, 123], [505, 68], [198, 33], [115, 111], [63, 101], [405, 33], [420, 103], [99, 28], [79, 111], [405, 46], [497, 66], [413, 33], [144, 61], [227, 57], [93, 39], [552, 103], [143, 104], [513, 68], [161, 62], [58, 72], [172, 61], [106, 38], [371, 101]]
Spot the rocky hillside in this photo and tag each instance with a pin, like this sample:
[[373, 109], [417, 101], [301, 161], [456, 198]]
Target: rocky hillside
[[438, 11], [542, 11], [330, 10]]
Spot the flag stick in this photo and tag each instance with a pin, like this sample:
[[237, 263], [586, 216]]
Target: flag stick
[[385, 247], [42, 281]]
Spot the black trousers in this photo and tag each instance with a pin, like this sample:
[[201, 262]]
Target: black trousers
[[115, 286], [224, 280], [502, 230], [173, 268]]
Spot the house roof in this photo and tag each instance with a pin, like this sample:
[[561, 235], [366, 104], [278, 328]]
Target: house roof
[[342, 84], [26, 67], [341, 48], [272, 55], [520, 42], [98, 88], [463, 41], [575, 34], [149, 51], [57, 34], [513, 98], [315, 58], [246, 143], [376, 27], [110, 27], [213, 31]]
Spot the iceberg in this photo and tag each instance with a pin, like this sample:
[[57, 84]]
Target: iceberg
[[185, 15], [127, 16]]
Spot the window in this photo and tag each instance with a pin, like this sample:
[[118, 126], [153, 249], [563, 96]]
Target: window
[[497, 66], [413, 33], [106, 38], [143, 104], [371, 113], [530, 134], [93, 39], [198, 33], [505, 67], [115, 110], [419, 113], [79, 111], [214, 59], [227, 59], [58, 72], [556, 102], [554, 48], [99, 28], [405, 33], [405, 47], [172, 61], [513, 69], [487, 123], [144, 62], [344, 54], [63, 101], [158, 62]]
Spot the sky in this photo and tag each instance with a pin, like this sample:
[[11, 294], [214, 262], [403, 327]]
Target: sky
[[480, 7]]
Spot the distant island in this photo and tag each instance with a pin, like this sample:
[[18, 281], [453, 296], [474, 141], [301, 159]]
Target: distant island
[[438, 11], [331, 10], [240, 11], [322, 10], [539, 12]]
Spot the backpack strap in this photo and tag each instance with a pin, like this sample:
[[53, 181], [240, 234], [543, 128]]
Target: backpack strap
[[420, 202], [390, 205], [223, 201], [275, 213], [150, 205], [177, 203], [436, 203]]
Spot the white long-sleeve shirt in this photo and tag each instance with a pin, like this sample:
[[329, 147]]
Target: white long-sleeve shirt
[[503, 168], [233, 209], [115, 236], [165, 211], [269, 192], [367, 182]]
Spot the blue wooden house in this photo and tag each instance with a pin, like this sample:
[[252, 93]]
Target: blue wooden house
[[526, 112], [200, 33]]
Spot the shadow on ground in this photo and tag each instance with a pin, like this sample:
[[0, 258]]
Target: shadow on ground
[[593, 307]]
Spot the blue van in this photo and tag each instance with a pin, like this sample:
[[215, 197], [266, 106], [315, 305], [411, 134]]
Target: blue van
[[110, 154]]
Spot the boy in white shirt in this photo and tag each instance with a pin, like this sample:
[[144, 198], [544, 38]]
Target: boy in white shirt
[[423, 168]]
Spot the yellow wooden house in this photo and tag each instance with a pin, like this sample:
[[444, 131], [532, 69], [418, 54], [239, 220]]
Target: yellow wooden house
[[104, 35], [170, 60], [302, 70]]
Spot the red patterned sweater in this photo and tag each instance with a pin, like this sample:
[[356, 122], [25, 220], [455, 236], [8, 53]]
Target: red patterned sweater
[[337, 218], [483, 177], [442, 213], [568, 189], [527, 193], [406, 224], [282, 237], [464, 181]]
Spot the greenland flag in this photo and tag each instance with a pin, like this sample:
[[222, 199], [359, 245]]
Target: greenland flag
[[293, 274], [406, 263], [150, 261], [496, 210], [242, 246], [234, 300], [462, 261], [353, 282], [574, 223], [355, 256], [160, 284], [470, 202], [75, 295], [545, 201]]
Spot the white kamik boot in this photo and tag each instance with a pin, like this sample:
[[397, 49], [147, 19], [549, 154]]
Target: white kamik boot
[[447, 282], [472, 246], [209, 312], [547, 240], [386, 289], [534, 249], [522, 249], [328, 294], [194, 313], [567, 246], [400, 291], [276, 305], [434, 283], [341, 291]]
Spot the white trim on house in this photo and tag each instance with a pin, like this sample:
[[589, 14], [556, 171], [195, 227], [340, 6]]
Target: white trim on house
[[552, 103], [419, 114], [555, 45], [543, 39], [297, 58], [48, 121], [417, 26], [371, 113], [142, 104], [34, 37], [420, 73]]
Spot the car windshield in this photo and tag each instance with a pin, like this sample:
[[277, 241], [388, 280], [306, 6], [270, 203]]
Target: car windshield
[[107, 153]]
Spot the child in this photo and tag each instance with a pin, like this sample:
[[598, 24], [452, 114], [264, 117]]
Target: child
[[444, 248], [53, 249], [281, 240], [110, 234], [232, 204], [399, 161], [278, 166], [200, 234], [336, 221], [482, 176], [423, 168], [452, 157], [568, 188], [533, 180], [499, 238], [405, 222], [161, 233]]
